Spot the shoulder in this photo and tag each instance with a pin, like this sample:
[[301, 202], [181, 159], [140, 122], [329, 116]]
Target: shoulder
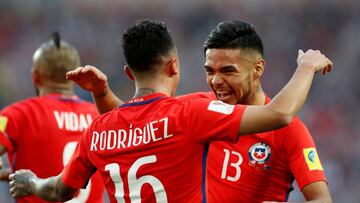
[[296, 125], [197, 95], [86, 104], [73, 103], [20, 105], [177, 103], [296, 135], [103, 118], [20, 112]]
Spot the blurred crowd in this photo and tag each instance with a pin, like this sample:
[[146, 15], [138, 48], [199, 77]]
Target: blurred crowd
[[95, 27]]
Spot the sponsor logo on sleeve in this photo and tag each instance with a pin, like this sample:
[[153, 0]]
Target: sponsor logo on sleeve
[[312, 159], [3, 122], [220, 107]]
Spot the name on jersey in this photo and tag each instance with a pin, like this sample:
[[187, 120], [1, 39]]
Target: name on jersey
[[72, 121], [153, 131]]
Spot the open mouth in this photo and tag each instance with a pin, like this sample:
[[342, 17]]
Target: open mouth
[[223, 95]]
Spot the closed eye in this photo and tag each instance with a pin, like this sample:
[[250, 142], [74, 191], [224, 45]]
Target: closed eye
[[228, 69], [208, 70]]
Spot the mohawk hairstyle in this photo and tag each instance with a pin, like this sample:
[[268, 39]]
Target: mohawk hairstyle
[[232, 35], [56, 57], [56, 37]]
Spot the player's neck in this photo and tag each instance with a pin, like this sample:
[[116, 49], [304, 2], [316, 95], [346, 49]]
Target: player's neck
[[63, 91], [154, 85], [144, 91], [258, 98]]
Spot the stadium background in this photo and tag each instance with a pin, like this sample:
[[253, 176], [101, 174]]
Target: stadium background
[[94, 27]]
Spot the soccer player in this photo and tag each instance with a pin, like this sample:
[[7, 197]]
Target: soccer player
[[153, 147], [267, 162], [41, 133]]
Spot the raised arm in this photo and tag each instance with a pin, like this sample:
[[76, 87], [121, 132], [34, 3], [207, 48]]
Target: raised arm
[[281, 110], [93, 80], [25, 183]]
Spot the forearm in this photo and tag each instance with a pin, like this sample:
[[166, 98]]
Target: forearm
[[107, 101], [320, 201], [25, 183], [93, 80], [52, 189], [292, 97], [280, 111], [317, 192]]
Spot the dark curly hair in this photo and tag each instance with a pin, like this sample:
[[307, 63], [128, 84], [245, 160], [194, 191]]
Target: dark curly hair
[[144, 43]]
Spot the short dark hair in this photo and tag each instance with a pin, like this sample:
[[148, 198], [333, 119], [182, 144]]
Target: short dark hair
[[234, 34], [144, 43]]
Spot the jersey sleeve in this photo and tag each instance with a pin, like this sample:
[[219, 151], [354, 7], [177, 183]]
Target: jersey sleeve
[[212, 120], [302, 156], [78, 171], [11, 119]]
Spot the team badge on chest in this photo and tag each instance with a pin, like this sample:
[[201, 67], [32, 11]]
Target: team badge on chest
[[259, 153]]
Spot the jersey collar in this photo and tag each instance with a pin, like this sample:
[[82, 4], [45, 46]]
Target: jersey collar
[[137, 101], [63, 97]]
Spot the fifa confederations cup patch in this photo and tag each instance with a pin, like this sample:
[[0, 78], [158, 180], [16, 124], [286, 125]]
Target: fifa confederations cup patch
[[3, 123], [221, 107], [312, 159]]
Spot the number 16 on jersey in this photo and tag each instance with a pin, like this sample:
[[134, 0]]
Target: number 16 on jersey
[[135, 183]]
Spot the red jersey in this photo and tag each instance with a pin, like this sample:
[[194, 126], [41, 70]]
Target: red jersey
[[153, 148], [261, 166], [41, 133]]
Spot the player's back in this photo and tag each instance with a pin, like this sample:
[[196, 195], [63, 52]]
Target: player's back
[[41, 133], [152, 149]]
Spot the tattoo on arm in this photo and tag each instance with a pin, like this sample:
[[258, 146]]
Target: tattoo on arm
[[53, 189]]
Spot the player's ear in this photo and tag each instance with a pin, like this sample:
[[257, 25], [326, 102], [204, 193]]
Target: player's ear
[[259, 68], [36, 79], [172, 67], [129, 73]]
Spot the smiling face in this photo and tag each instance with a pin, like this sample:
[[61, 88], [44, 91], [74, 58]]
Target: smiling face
[[233, 74]]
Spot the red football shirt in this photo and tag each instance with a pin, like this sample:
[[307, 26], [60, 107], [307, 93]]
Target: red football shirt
[[41, 133], [153, 148], [261, 166]]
